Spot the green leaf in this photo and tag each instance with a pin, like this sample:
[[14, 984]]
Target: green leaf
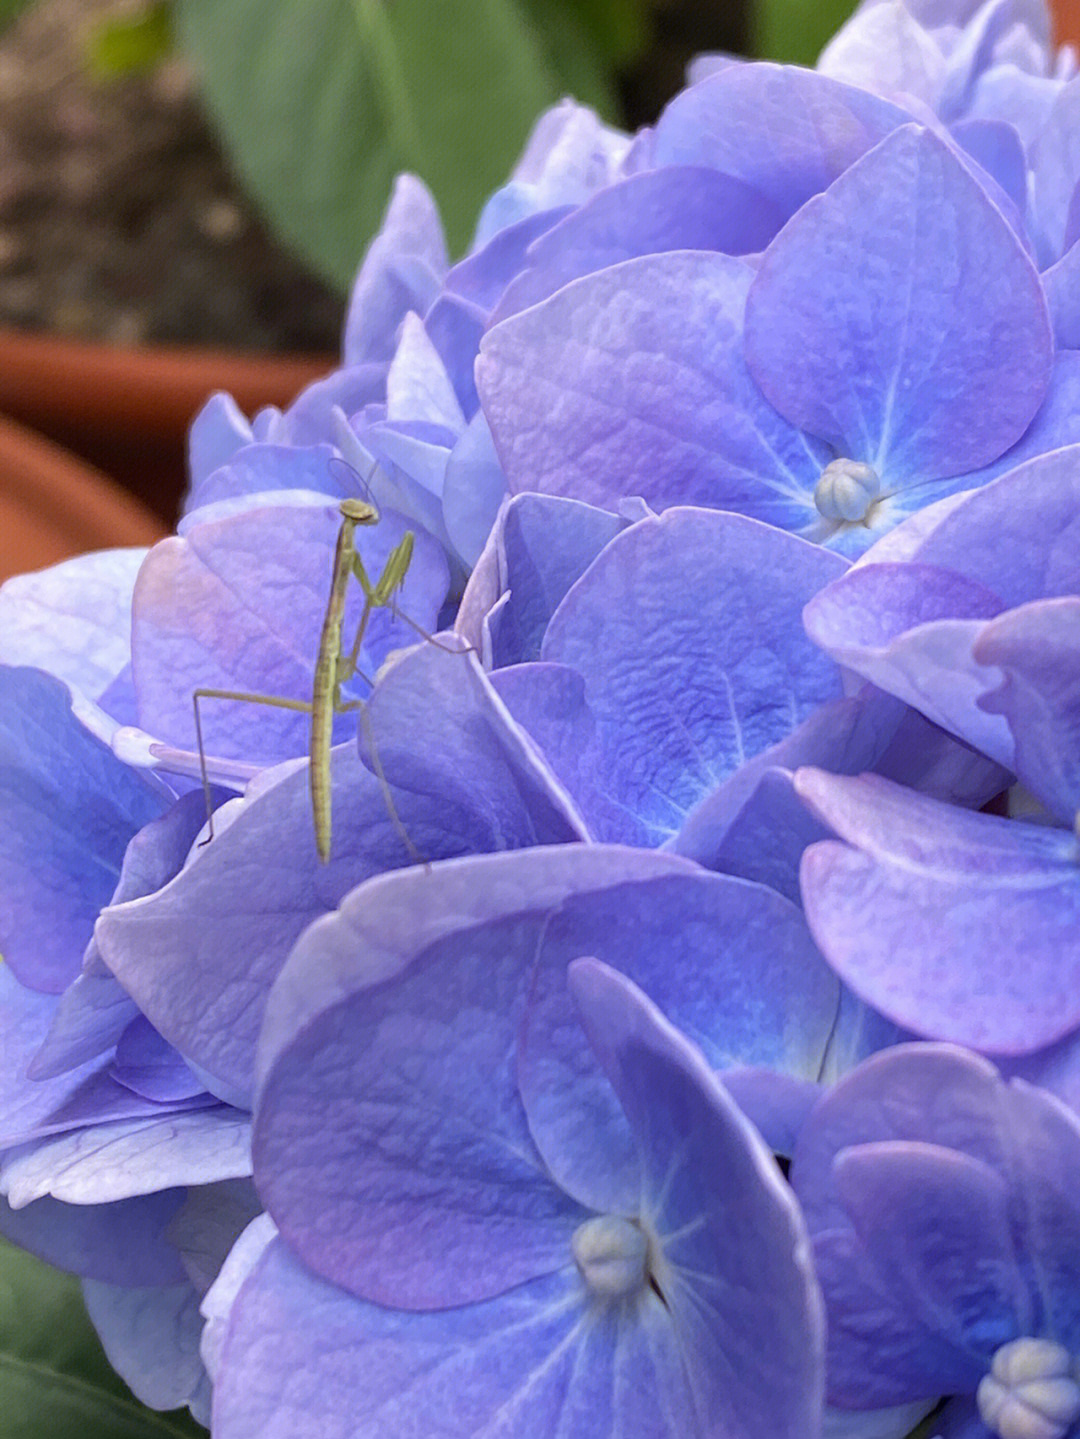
[[9, 9], [129, 47], [54, 1377], [797, 30], [320, 104], [608, 32]]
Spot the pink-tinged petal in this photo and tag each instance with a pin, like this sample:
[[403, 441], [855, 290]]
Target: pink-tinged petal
[[911, 629], [924, 909], [632, 381], [239, 604], [1036, 648], [391, 1145], [885, 50], [679, 207], [1019, 535], [788, 132]]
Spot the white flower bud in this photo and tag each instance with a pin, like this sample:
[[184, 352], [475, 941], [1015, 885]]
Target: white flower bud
[[846, 491], [612, 1255], [1031, 1392]]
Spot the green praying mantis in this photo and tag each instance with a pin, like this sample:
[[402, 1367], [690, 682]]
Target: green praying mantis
[[334, 667]]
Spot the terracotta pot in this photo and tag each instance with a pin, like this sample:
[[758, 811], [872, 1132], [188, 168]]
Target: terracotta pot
[[53, 505], [128, 410], [1066, 21]]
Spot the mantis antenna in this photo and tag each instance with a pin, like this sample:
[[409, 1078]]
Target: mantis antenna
[[334, 667]]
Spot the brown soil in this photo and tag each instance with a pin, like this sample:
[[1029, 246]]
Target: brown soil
[[119, 219]]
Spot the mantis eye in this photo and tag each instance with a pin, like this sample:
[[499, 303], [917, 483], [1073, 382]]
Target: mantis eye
[[359, 511]]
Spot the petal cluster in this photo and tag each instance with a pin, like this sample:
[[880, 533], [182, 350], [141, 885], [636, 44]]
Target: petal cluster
[[618, 975]]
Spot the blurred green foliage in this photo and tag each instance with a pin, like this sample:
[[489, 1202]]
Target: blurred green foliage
[[10, 8], [55, 1380], [321, 104], [132, 46], [796, 30]]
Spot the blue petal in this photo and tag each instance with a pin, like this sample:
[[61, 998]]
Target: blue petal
[[731, 964], [787, 132], [396, 1021], [870, 323], [632, 381], [305, 1360], [687, 630], [69, 809], [119, 1243], [732, 1260]]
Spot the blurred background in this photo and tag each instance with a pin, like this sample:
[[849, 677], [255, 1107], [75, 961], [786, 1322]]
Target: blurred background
[[186, 187]]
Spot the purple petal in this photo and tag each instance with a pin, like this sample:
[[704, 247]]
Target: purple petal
[[680, 207], [912, 629], [401, 272], [151, 1337], [148, 1065], [543, 545], [730, 964], [736, 1274], [309, 419], [924, 908], [549, 702], [481, 278], [632, 382], [406, 1003], [882, 48], [306, 1360], [1019, 535], [927, 1093], [418, 387], [217, 432], [935, 1225], [871, 325], [210, 1222], [130, 1157], [119, 1243], [1037, 650], [1055, 167], [258, 470], [787, 132], [679, 704], [996, 146], [753, 825], [868, 1323], [69, 809], [95, 1009], [73, 620], [1056, 425], [1061, 282], [473, 489]]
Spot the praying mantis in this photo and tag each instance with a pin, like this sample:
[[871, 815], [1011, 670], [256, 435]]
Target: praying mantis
[[334, 667]]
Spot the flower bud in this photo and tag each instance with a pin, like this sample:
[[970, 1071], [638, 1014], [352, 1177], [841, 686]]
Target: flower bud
[[847, 490], [1031, 1392]]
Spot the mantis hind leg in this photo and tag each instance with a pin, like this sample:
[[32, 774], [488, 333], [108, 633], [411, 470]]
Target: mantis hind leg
[[360, 708], [242, 697]]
